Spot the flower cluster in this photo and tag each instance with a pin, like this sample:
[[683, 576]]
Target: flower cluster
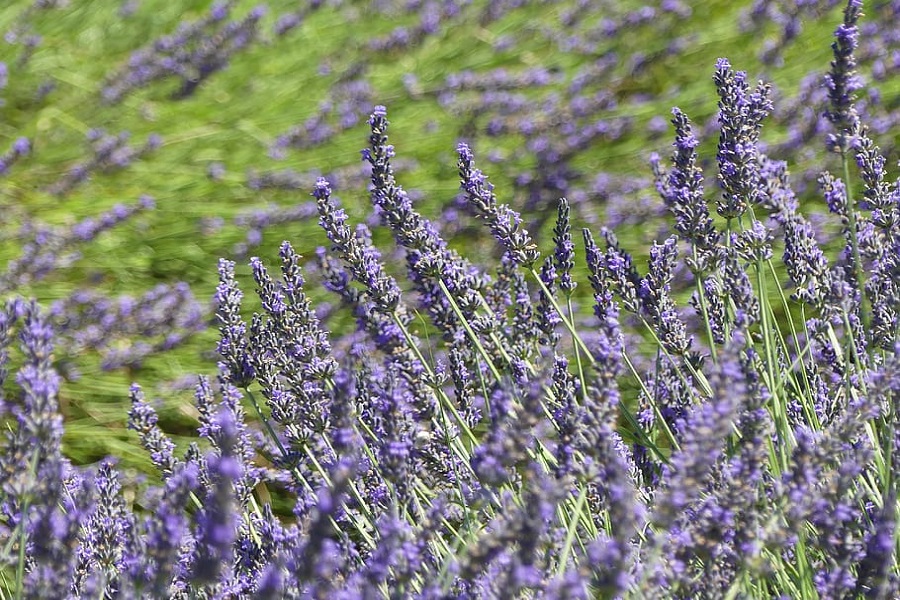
[[470, 431]]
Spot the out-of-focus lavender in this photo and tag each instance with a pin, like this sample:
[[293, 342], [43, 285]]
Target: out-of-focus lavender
[[21, 147], [123, 331], [45, 248], [560, 116], [345, 106], [195, 52], [127, 330], [20, 32], [108, 153]]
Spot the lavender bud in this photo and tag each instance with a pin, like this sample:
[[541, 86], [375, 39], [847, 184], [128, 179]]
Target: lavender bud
[[654, 294], [564, 256], [740, 117], [682, 192], [142, 418], [843, 81], [361, 258], [236, 365], [504, 222], [217, 522]]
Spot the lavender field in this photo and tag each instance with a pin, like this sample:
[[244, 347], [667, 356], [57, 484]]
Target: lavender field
[[449, 299]]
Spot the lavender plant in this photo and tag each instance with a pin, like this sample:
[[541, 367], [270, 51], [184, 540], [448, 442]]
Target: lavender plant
[[474, 435]]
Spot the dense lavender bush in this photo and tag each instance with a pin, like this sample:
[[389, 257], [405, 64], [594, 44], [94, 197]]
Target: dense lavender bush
[[474, 434]]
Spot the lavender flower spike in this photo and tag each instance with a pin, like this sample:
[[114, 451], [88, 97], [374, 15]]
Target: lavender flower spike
[[143, 419], [842, 81], [235, 365], [564, 256], [356, 252], [504, 222], [428, 258], [706, 427], [40, 384], [740, 116], [657, 302], [217, 523], [683, 194]]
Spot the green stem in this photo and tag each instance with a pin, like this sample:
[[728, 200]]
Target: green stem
[[780, 410], [704, 309], [440, 394], [571, 531], [629, 417], [298, 476], [854, 245], [578, 363]]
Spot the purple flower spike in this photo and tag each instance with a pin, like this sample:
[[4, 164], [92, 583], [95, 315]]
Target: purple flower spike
[[654, 292], [20, 148], [504, 223], [429, 260], [843, 81], [143, 418], [682, 191], [741, 113], [191, 54], [167, 533], [235, 365], [564, 256], [218, 521], [357, 252], [704, 429]]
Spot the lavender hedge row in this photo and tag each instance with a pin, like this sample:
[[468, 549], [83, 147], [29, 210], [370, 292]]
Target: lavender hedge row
[[475, 435]]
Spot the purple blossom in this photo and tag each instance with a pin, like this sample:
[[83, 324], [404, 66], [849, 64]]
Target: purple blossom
[[705, 428], [21, 147], [61, 508], [446, 441], [45, 248], [754, 244], [143, 419], [656, 301], [125, 330], [431, 263], [504, 223], [106, 537], [236, 365], [109, 153], [192, 54], [359, 256], [740, 117], [564, 255], [167, 533], [547, 316], [805, 261], [218, 521], [843, 81], [682, 191]]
